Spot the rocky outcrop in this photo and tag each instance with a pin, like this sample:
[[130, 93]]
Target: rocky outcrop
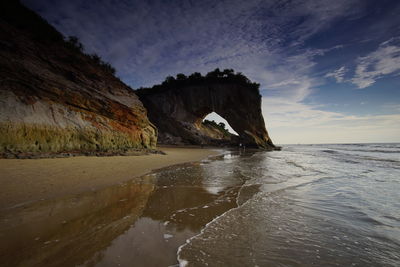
[[178, 107], [216, 134], [54, 98]]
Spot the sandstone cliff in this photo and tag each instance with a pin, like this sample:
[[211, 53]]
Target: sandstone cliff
[[217, 135], [178, 106], [54, 98]]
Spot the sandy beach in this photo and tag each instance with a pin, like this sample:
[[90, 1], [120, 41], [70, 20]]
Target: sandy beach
[[24, 181], [119, 224]]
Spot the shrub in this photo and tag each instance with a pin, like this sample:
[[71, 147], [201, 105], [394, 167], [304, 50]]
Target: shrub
[[73, 43], [95, 58], [181, 77], [215, 76]]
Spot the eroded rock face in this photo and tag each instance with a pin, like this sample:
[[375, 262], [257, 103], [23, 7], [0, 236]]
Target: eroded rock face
[[178, 113], [56, 99]]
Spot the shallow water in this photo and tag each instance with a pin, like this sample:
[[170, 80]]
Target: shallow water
[[139, 223], [316, 205]]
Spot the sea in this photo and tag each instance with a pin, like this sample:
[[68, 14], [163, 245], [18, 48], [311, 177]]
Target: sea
[[306, 205], [314, 205]]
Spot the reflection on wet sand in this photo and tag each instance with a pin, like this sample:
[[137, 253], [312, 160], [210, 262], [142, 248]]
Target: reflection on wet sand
[[68, 231], [140, 223]]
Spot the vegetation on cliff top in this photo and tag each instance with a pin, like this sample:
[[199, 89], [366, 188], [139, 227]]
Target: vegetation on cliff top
[[14, 13], [216, 76], [72, 42]]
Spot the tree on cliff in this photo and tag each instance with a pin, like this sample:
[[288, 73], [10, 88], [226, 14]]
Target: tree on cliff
[[196, 76], [181, 77], [73, 43], [215, 76]]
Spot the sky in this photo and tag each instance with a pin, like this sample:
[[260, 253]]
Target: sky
[[329, 70]]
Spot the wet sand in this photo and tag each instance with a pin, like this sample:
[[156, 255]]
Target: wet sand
[[141, 222], [29, 180]]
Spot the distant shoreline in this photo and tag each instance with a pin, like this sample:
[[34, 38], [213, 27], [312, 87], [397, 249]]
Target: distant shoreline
[[26, 181]]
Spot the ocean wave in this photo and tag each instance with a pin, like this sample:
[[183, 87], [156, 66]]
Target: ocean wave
[[330, 151], [310, 186], [374, 151]]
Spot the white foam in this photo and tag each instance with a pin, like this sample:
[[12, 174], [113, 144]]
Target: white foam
[[167, 236], [185, 262]]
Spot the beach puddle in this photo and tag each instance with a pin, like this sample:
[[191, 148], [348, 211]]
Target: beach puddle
[[138, 223]]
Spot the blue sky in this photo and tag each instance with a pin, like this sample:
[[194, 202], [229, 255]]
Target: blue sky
[[329, 70]]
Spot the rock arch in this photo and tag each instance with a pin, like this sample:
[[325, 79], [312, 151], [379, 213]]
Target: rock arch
[[218, 119], [179, 112]]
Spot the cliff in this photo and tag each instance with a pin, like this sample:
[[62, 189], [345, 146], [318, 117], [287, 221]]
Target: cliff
[[178, 106], [54, 98], [216, 134]]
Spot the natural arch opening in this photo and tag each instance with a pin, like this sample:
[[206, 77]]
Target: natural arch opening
[[216, 129], [219, 121]]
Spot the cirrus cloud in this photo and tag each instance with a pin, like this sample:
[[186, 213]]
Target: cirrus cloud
[[338, 74], [269, 41], [381, 62]]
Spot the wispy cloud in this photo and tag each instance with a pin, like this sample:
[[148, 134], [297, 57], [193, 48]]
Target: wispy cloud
[[337, 74], [266, 40], [383, 61], [147, 41]]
